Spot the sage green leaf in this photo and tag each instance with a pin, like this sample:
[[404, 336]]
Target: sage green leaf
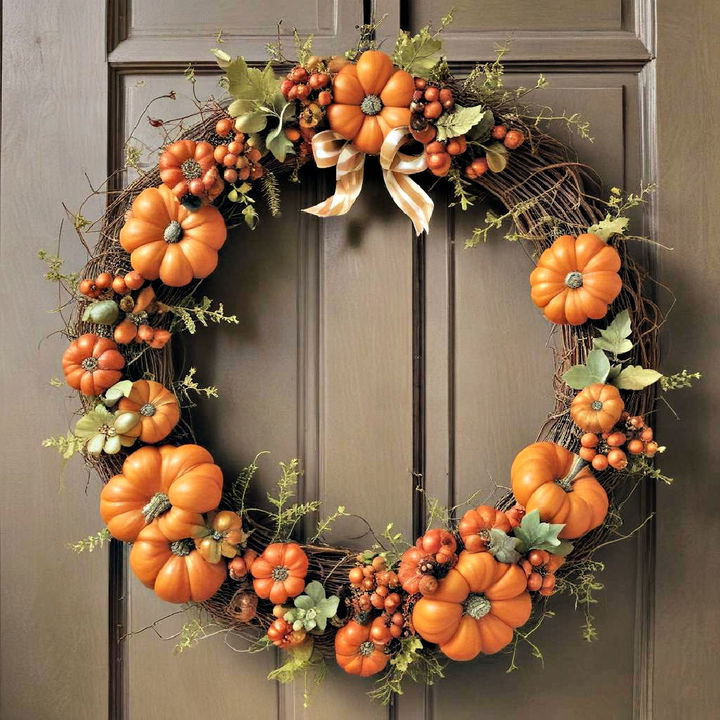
[[635, 377], [460, 121], [614, 338], [246, 83], [482, 129], [418, 54], [502, 546], [563, 549], [241, 107], [595, 371], [608, 227], [276, 141], [251, 122], [535, 535], [496, 156]]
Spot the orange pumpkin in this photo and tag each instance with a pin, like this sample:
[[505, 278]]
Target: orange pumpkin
[[189, 168], [225, 534], [475, 607], [576, 279], [597, 408], [92, 364], [167, 241], [370, 99], [475, 526], [160, 482], [545, 477], [174, 568], [279, 573], [158, 408], [355, 651]]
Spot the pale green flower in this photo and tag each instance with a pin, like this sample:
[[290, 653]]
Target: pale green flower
[[312, 610], [104, 431]]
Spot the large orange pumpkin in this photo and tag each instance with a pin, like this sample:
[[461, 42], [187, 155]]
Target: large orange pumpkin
[[370, 98], [475, 526], [355, 651], [576, 279], [475, 607], [545, 477], [92, 364], [597, 408], [174, 568], [167, 241], [158, 408], [160, 482], [279, 573]]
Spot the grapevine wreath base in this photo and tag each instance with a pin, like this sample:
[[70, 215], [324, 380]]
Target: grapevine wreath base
[[469, 585]]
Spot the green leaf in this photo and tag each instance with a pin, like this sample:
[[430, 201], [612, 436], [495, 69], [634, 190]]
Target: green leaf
[[223, 59], [502, 546], [635, 377], [251, 122], [276, 141], [608, 227], [496, 156], [460, 121], [482, 129], [536, 535], [117, 391], [418, 54], [241, 107], [595, 371], [246, 83], [614, 338]]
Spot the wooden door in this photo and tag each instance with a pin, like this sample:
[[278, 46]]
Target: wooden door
[[378, 358]]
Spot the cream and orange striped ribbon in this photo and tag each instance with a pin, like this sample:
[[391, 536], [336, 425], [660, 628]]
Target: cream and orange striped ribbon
[[330, 149]]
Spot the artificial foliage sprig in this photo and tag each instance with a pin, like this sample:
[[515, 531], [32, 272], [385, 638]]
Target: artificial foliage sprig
[[679, 380], [189, 312], [91, 542]]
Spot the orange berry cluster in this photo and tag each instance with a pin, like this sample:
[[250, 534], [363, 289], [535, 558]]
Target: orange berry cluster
[[606, 449], [374, 586], [511, 139], [429, 101], [540, 567], [439, 155], [105, 284], [307, 85], [281, 632], [240, 160]]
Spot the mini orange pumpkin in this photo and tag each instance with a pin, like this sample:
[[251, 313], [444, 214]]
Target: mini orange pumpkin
[[475, 607], [355, 651], [576, 279], [160, 482], [597, 408], [475, 526], [174, 568], [371, 98], [158, 408], [92, 364], [279, 573], [189, 168], [167, 241], [545, 477]]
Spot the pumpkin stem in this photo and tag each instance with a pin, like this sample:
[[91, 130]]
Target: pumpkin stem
[[476, 606], [366, 648], [148, 410], [159, 503], [280, 573], [574, 279], [566, 482], [173, 232], [371, 105], [181, 548], [90, 363]]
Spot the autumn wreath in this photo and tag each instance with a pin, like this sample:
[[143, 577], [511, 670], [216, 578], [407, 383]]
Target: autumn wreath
[[472, 583]]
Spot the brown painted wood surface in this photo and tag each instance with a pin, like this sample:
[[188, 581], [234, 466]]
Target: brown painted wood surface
[[321, 365]]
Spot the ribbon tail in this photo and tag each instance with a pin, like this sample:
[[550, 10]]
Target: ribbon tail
[[348, 184], [411, 199]]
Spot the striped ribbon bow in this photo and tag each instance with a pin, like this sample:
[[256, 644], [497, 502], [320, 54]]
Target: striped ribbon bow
[[330, 149]]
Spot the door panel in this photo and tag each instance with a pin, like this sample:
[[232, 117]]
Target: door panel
[[378, 359]]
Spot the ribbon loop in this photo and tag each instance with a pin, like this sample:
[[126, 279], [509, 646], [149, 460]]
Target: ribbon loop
[[330, 149]]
